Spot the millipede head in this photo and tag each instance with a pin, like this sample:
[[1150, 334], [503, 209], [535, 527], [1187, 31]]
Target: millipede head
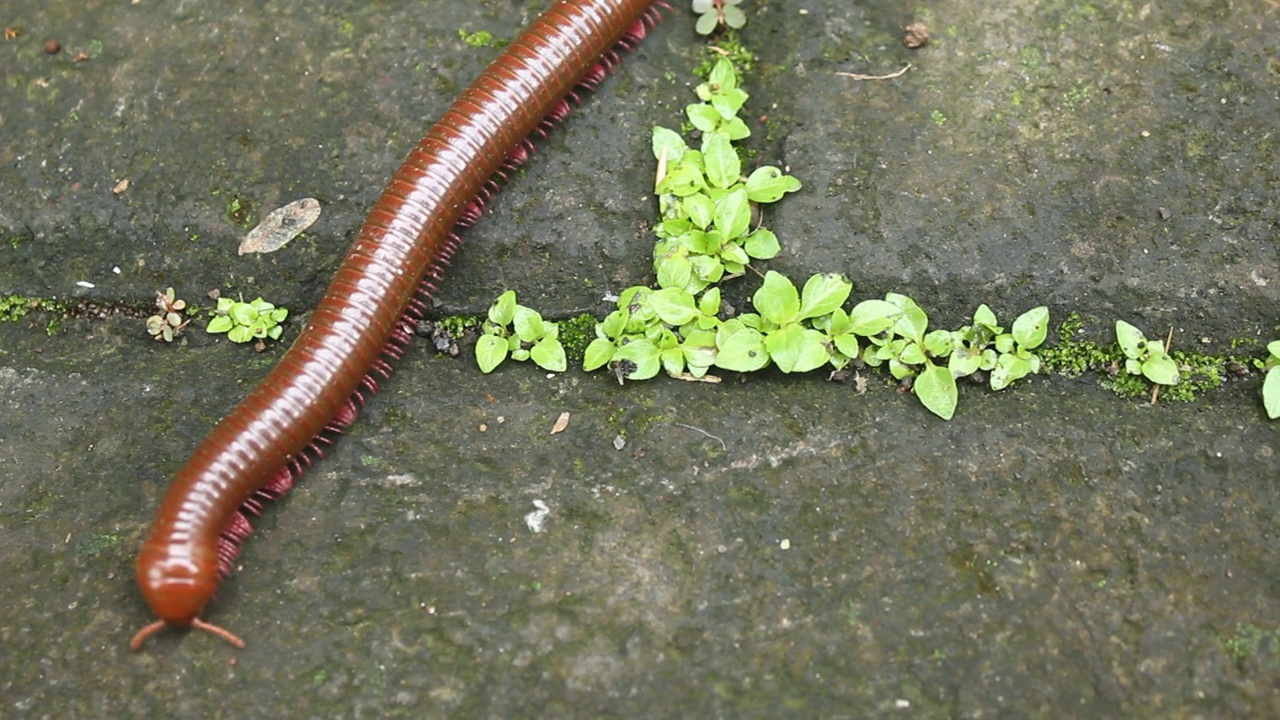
[[177, 586]]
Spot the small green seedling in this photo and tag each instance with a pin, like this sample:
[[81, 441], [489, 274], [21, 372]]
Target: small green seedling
[[910, 349], [169, 322], [1148, 358], [713, 14], [1271, 386], [1007, 356], [706, 234], [519, 332], [247, 321], [652, 330]]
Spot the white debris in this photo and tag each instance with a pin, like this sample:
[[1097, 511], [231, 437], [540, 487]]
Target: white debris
[[538, 518]]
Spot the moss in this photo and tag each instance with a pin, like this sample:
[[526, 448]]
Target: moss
[[576, 333], [16, 307], [1072, 357], [728, 46], [457, 325]]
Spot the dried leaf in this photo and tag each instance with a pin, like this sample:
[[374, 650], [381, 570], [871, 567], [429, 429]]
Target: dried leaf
[[281, 226], [562, 422]]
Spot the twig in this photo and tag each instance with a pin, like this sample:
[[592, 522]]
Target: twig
[[890, 76], [704, 432], [1168, 343]]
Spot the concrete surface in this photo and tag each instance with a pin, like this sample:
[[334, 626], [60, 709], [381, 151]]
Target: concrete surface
[[1054, 551]]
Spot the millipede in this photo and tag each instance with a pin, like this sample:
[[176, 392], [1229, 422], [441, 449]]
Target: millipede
[[364, 319]]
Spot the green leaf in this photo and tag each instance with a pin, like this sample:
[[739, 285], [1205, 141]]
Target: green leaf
[[682, 180], [733, 215], [674, 272], [673, 305], [1031, 327], [706, 23], [219, 324], [703, 117], [243, 314], [548, 353], [722, 76], [962, 364], [707, 268], [671, 140], [503, 309], [699, 349], [735, 129], [768, 184], [1273, 348], [762, 244], [672, 361], [644, 355], [1161, 369], [491, 350], [598, 352], [823, 294], [1271, 392], [797, 349], [777, 300], [275, 332], [1008, 369], [729, 102], [914, 321], [700, 209], [702, 6], [984, 317], [740, 348], [615, 323], [709, 303], [733, 254], [847, 343], [872, 317], [528, 324], [912, 353], [240, 334], [1131, 339], [734, 17], [723, 165], [938, 343], [936, 388]]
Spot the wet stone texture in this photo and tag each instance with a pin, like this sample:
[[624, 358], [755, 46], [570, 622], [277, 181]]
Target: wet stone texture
[[768, 547]]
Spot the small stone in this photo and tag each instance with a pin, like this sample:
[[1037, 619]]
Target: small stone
[[917, 35]]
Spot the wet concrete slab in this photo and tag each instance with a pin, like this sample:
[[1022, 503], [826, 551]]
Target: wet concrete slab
[[769, 547]]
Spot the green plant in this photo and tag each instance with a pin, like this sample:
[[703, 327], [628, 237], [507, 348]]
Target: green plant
[[246, 321], [520, 332], [654, 330], [1148, 358], [1271, 385], [169, 322], [713, 14], [1007, 356], [478, 39], [705, 235]]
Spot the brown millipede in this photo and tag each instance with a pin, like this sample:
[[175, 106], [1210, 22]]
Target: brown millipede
[[257, 451]]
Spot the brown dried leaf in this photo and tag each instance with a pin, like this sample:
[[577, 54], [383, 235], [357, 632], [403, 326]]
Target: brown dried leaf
[[281, 226], [562, 422]]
